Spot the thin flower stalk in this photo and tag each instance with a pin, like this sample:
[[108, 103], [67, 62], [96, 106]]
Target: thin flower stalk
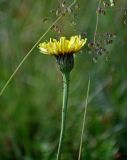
[[64, 112]]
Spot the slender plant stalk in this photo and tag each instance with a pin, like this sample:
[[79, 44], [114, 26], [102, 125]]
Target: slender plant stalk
[[26, 56], [64, 111], [97, 21], [84, 120]]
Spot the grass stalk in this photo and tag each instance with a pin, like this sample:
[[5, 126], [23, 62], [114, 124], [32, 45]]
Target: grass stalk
[[84, 120], [27, 55]]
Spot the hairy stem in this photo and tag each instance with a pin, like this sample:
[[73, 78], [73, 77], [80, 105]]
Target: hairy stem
[[64, 112]]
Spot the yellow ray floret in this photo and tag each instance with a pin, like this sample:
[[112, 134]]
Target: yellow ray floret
[[62, 46]]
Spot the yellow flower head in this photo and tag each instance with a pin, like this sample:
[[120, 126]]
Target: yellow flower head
[[62, 46]]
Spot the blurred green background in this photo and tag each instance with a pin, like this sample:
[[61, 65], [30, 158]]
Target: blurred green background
[[30, 107]]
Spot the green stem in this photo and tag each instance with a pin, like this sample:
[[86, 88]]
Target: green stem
[[84, 119], [64, 111]]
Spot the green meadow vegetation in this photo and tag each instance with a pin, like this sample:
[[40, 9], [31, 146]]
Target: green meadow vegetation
[[30, 106]]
